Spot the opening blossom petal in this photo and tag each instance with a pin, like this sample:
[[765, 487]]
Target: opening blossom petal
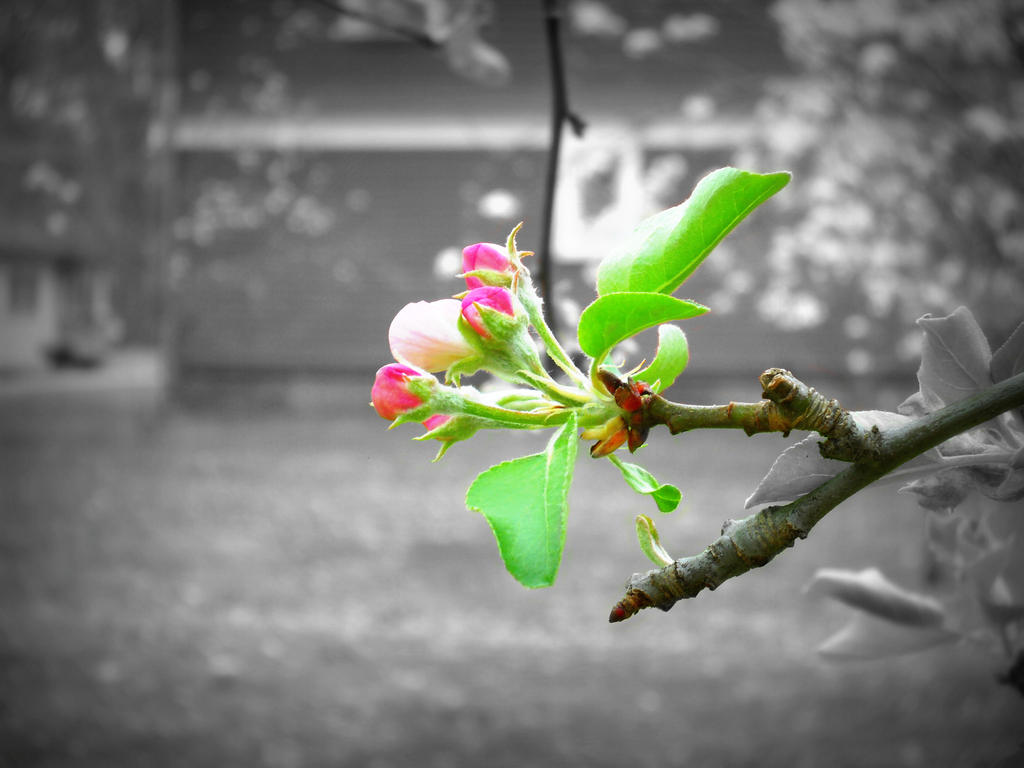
[[426, 334]]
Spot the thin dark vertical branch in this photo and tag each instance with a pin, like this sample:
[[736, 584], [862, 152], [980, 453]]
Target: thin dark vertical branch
[[560, 114], [164, 189]]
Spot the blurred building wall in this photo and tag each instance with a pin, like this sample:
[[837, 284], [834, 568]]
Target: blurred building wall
[[83, 89], [324, 182]]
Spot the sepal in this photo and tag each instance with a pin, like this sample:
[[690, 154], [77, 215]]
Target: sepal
[[486, 277], [491, 324], [453, 429], [507, 351], [520, 400]]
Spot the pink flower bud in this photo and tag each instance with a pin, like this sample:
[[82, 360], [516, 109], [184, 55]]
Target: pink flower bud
[[426, 334], [484, 256], [436, 421], [390, 394], [490, 296]]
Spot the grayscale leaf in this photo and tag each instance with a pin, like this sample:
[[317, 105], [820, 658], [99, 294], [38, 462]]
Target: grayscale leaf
[[866, 637], [801, 467], [870, 591]]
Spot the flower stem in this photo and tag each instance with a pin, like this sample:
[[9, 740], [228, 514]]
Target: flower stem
[[528, 419], [560, 393], [531, 303]]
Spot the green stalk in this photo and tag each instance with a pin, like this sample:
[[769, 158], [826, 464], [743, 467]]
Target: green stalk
[[528, 297], [530, 420], [570, 396]]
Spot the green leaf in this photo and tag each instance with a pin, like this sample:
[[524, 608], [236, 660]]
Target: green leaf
[[670, 361], [650, 543], [666, 496], [665, 249], [617, 316], [525, 501]]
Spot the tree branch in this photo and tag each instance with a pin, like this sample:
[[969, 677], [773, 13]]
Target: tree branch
[[755, 540], [560, 114], [788, 404]]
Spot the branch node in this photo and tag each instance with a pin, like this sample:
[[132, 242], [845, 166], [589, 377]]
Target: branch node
[[777, 385], [794, 532]]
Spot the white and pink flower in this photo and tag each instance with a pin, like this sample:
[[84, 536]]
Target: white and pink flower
[[426, 334]]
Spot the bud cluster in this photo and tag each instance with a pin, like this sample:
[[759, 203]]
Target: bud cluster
[[487, 328]]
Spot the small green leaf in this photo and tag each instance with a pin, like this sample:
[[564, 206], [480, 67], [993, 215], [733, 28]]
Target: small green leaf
[[666, 496], [617, 316], [525, 501], [650, 543], [670, 361], [665, 249]]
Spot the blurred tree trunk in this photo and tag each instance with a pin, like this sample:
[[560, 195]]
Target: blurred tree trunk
[[86, 97]]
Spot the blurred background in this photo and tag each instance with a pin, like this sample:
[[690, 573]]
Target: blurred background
[[212, 554]]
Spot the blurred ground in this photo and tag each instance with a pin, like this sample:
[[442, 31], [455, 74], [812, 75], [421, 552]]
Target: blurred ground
[[225, 587]]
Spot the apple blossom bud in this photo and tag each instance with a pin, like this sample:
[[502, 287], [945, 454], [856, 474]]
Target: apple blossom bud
[[492, 297], [390, 394], [426, 334], [488, 256]]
